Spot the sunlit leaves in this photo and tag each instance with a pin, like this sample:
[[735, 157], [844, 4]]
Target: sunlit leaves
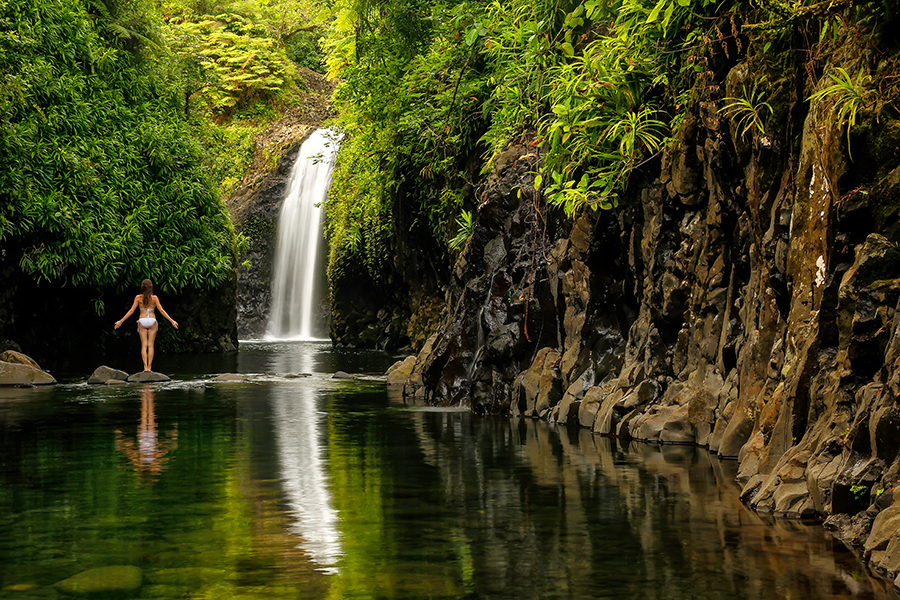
[[239, 63], [101, 181]]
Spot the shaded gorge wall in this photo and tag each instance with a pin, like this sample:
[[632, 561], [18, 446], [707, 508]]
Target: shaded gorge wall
[[743, 297]]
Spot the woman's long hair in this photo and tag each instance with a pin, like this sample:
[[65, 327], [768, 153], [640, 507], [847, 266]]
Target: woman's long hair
[[147, 291]]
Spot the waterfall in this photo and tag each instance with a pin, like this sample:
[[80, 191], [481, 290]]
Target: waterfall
[[295, 293]]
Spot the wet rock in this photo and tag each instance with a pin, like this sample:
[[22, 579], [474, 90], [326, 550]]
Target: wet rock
[[147, 377], [104, 374], [103, 582], [23, 375], [343, 375], [230, 377], [399, 372], [11, 356]]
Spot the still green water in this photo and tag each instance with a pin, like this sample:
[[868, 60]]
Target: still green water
[[321, 488]]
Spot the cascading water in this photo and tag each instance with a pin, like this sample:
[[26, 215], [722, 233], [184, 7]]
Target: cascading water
[[295, 293]]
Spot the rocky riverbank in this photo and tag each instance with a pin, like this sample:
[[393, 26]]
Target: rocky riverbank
[[744, 298]]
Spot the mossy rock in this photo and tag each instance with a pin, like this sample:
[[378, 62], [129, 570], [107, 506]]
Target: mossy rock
[[104, 582]]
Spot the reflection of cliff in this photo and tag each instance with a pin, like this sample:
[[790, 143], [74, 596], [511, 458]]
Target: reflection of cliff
[[553, 510], [299, 440]]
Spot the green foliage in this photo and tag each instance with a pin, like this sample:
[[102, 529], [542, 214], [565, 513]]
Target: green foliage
[[858, 490], [588, 78], [466, 227], [847, 95], [410, 102], [101, 179], [237, 63], [303, 49], [232, 149], [748, 112]]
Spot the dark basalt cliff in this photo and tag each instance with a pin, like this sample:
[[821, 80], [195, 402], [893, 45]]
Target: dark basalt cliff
[[49, 321], [744, 298]]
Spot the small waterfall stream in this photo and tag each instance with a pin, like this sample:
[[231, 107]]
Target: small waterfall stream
[[295, 293]]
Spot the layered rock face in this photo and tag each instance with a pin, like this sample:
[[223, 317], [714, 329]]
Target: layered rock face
[[745, 299]]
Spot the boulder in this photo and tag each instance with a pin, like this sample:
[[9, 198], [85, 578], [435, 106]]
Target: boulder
[[400, 371], [105, 582], [20, 374], [343, 375], [147, 377], [104, 374], [11, 356]]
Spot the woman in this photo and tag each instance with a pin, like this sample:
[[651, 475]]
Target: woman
[[147, 325]]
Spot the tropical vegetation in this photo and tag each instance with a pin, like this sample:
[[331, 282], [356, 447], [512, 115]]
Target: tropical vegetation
[[124, 122], [597, 89]]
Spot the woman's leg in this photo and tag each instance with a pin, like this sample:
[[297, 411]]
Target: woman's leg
[[151, 338], [144, 333]]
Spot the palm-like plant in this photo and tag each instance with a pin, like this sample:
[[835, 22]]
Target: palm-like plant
[[848, 94], [749, 112]]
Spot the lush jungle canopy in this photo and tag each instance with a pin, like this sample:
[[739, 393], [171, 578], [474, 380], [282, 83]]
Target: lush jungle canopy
[[123, 123], [598, 88]]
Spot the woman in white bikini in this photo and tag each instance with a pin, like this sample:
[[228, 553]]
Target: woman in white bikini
[[147, 325]]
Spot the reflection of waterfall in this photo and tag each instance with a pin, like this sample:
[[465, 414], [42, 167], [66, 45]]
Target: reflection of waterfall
[[303, 473], [295, 295]]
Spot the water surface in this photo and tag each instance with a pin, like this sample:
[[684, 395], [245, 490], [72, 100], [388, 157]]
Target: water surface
[[312, 487]]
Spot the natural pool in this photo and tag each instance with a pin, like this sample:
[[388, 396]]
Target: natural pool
[[321, 488]]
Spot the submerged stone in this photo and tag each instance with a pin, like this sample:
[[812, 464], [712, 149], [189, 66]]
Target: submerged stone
[[233, 377], [119, 580], [147, 377]]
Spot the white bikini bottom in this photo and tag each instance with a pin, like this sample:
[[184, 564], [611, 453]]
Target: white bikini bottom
[[147, 322]]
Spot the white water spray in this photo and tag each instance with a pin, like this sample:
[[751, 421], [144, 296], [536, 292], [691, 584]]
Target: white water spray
[[294, 291]]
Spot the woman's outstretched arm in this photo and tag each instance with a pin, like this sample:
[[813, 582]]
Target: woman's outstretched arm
[[164, 313], [134, 305]]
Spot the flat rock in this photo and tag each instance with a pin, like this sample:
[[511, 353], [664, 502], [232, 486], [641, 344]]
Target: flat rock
[[297, 375], [104, 374], [120, 580], [230, 377], [20, 374], [11, 356], [147, 377]]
